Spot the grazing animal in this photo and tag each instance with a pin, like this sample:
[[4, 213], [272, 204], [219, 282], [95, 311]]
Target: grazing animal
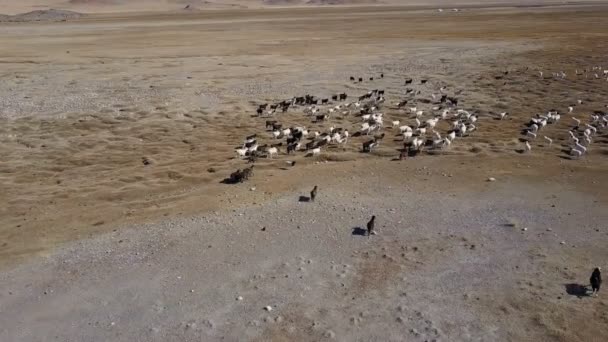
[[316, 151], [313, 194], [352, 78], [528, 147], [241, 152], [575, 152], [549, 140], [596, 280], [272, 151], [369, 145], [371, 225]]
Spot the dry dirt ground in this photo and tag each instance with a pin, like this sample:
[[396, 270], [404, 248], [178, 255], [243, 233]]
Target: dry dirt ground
[[97, 245]]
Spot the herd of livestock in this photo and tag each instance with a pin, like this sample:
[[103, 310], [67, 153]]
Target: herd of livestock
[[421, 133]]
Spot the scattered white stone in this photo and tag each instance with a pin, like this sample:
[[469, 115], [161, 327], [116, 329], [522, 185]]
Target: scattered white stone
[[268, 308], [239, 298], [491, 179], [524, 229], [562, 243], [252, 189]]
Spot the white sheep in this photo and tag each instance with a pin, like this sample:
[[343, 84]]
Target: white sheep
[[405, 128], [407, 135], [241, 152], [272, 152], [452, 135]]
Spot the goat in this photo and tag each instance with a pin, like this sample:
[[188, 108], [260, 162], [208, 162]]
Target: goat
[[369, 145]]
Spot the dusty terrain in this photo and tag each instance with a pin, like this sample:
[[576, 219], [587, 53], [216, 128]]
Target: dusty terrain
[[95, 244]]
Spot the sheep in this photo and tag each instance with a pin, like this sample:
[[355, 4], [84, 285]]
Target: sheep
[[452, 135], [447, 142], [575, 152], [241, 152], [405, 128], [417, 123], [395, 123], [528, 147], [365, 128], [462, 130], [503, 115], [272, 151], [417, 143], [276, 134], [316, 151], [407, 135], [549, 140], [592, 128], [431, 123], [530, 134], [438, 142], [253, 148], [533, 128]]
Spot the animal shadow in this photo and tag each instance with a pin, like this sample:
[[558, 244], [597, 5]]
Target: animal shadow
[[304, 199], [576, 290], [358, 231]]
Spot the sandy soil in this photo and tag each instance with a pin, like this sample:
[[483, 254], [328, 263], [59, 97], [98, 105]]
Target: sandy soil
[[86, 226]]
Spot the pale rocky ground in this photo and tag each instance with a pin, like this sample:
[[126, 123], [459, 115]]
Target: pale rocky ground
[[96, 246]]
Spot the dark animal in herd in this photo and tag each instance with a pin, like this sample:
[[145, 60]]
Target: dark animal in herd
[[596, 280], [239, 176], [371, 225], [313, 194]]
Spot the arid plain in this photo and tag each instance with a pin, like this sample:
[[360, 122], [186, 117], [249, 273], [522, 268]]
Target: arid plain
[[117, 130]]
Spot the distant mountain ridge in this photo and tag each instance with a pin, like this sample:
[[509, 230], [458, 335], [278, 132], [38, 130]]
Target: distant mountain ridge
[[14, 7]]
